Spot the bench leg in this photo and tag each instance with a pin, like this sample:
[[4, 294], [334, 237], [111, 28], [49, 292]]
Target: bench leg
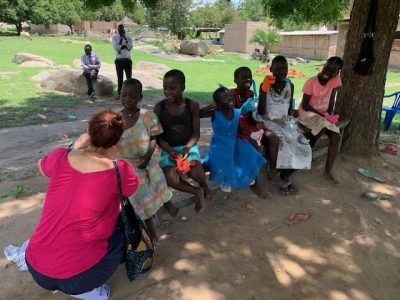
[[388, 120]]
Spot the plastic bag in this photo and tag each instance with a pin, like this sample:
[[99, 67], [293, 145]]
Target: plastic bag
[[17, 255]]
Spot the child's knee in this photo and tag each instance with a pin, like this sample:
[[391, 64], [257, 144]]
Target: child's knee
[[197, 172], [171, 176]]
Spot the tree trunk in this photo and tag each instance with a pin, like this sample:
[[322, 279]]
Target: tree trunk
[[361, 96], [70, 27], [18, 25]]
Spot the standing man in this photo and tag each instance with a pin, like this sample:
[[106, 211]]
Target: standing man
[[122, 45], [90, 63]]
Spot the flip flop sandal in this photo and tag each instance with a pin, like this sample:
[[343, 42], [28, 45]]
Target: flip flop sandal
[[288, 190], [390, 149], [371, 174], [297, 217], [370, 195]]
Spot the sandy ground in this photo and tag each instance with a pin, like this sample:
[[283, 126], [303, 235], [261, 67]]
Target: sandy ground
[[239, 248]]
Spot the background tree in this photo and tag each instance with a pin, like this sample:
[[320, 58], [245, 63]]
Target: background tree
[[173, 14], [266, 39], [215, 15], [228, 12], [70, 11], [252, 10], [361, 96], [17, 11]]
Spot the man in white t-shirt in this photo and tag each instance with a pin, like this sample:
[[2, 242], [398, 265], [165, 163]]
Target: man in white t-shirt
[[122, 44]]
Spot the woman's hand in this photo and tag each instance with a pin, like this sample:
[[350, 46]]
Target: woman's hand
[[82, 142]]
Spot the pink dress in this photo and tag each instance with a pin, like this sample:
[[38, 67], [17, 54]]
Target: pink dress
[[78, 217]]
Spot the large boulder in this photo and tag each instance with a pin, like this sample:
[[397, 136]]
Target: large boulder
[[32, 60], [152, 68], [194, 47], [72, 81], [148, 49]]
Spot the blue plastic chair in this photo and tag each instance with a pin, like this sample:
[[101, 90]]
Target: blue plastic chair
[[391, 111]]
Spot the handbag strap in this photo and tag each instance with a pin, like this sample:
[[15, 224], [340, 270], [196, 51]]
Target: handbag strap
[[371, 21], [126, 205], [121, 196], [130, 215]]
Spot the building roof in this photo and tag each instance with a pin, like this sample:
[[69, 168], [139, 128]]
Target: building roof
[[128, 22], [329, 32]]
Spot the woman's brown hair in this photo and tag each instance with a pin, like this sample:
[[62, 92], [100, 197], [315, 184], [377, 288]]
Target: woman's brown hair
[[105, 128]]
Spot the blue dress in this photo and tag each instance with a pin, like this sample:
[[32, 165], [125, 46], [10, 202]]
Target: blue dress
[[232, 161]]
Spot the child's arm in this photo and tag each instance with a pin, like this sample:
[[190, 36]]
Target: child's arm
[[262, 102], [195, 127], [145, 158], [332, 100], [243, 130], [207, 111], [305, 104]]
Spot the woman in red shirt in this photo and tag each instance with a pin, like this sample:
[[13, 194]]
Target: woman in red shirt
[[79, 243]]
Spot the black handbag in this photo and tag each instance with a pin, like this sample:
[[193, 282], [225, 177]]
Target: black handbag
[[366, 57], [139, 247]]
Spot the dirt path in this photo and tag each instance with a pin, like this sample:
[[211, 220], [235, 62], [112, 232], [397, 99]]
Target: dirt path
[[239, 248]]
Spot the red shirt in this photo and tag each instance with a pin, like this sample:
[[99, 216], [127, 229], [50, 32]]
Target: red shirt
[[78, 217], [238, 101]]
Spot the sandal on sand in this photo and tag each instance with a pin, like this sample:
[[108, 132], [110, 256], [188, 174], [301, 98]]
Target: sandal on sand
[[287, 190], [370, 195], [298, 217], [371, 174], [390, 149]]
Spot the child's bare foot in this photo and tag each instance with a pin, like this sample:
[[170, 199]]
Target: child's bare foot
[[200, 203], [329, 176], [171, 208], [263, 194]]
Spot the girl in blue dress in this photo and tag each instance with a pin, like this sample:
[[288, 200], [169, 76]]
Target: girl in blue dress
[[233, 162]]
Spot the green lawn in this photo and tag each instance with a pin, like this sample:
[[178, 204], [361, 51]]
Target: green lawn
[[20, 97]]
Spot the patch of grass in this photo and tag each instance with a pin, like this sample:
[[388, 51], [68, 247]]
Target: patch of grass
[[21, 99], [16, 192]]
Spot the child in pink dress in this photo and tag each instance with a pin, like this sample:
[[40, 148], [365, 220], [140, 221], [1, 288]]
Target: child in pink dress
[[316, 109]]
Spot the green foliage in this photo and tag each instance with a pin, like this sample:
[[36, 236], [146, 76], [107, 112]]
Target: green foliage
[[312, 11], [265, 38], [111, 13], [17, 11], [16, 192], [214, 16], [173, 14], [161, 44], [128, 4], [252, 10]]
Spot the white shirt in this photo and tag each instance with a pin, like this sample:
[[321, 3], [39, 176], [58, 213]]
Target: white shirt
[[91, 62], [278, 104], [118, 42]]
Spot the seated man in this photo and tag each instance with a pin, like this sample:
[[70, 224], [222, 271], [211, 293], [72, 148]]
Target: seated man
[[90, 63]]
